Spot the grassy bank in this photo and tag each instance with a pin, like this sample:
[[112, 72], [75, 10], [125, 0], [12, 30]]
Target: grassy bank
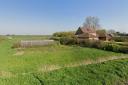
[[18, 66], [108, 73], [31, 59]]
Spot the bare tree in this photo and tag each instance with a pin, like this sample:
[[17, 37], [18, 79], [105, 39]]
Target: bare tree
[[92, 22]]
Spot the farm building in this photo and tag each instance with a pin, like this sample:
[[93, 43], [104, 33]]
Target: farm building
[[109, 37], [103, 35], [91, 34], [86, 33]]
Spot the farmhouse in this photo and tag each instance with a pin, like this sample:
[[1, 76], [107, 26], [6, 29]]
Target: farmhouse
[[86, 33], [104, 36], [91, 34]]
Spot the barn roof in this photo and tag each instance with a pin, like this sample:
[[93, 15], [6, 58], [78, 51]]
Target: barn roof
[[82, 30], [87, 30]]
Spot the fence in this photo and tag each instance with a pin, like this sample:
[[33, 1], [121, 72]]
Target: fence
[[30, 43]]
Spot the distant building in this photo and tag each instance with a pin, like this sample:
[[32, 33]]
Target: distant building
[[103, 35], [109, 37], [84, 33]]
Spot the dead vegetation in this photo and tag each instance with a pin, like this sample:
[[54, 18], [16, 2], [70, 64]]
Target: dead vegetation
[[6, 74], [18, 53], [47, 68]]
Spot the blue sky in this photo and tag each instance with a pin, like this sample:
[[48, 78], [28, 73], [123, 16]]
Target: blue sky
[[49, 16]]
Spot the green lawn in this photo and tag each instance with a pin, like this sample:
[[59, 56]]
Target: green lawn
[[18, 66]]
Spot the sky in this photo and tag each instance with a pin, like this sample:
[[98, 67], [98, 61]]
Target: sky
[[43, 17]]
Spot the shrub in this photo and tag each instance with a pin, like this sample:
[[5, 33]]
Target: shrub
[[123, 49], [121, 39], [109, 46], [16, 45], [68, 41], [122, 43], [64, 34], [116, 48], [69, 38], [66, 38], [90, 43]]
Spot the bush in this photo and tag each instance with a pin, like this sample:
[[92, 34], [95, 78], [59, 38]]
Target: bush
[[68, 41], [123, 49], [69, 38], [121, 39], [109, 46], [65, 38], [122, 43], [90, 43], [16, 45], [64, 34], [116, 48]]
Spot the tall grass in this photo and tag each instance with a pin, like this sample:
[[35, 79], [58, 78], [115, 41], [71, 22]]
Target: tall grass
[[108, 73]]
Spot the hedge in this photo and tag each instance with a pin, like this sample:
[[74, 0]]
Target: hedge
[[108, 46]]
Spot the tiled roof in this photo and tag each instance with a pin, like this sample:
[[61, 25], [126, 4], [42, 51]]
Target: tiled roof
[[87, 30]]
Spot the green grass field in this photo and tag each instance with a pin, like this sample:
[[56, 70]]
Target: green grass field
[[26, 66], [107, 73]]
